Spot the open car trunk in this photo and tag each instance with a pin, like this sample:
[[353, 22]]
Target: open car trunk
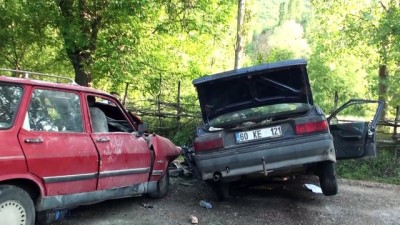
[[268, 84]]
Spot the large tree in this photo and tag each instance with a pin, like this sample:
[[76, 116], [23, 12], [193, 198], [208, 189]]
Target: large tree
[[79, 23], [353, 40], [125, 25], [128, 33]]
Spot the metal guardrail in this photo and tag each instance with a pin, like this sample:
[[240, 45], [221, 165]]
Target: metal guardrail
[[27, 74]]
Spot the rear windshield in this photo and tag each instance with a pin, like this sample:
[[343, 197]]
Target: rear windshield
[[259, 114], [10, 97]]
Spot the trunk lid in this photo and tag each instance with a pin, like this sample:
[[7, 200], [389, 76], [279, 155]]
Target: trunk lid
[[284, 82]]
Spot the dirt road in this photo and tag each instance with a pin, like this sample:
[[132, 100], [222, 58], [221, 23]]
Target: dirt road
[[357, 203]]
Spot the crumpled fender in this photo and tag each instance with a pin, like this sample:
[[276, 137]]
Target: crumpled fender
[[164, 152], [164, 148]]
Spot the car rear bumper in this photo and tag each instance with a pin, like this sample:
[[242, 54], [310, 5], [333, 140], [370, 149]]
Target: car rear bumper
[[267, 157]]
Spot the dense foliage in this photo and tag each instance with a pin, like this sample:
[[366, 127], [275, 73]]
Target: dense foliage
[[142, 47], [352, 49], [149, 51]]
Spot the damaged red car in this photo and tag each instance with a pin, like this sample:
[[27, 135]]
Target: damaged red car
[[64, 145]]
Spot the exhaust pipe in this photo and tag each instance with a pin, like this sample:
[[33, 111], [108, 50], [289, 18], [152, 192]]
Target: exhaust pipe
[[217, 176]]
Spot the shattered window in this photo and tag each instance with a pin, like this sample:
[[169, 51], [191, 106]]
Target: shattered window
[[10, 97]]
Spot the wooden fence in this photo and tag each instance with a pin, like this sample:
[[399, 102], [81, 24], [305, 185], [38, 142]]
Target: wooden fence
[[167, 113]]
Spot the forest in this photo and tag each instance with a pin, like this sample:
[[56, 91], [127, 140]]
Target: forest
[[149, 51]]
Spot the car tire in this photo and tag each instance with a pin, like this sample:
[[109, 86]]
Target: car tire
[[162, 186], [16, 206], [221, 190], [327, 179]]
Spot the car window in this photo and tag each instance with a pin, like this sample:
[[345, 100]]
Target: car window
[[10, 97], [357, 112], [107, 116], [54, 111]]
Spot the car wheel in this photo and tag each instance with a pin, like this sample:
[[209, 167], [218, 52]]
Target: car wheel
[[16, 206], [162, 186], [327, 179], [221, 190]]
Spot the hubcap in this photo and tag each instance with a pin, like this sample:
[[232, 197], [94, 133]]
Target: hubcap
[[12, 213]]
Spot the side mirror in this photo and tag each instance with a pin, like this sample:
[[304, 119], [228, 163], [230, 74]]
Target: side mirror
[[142, 128]]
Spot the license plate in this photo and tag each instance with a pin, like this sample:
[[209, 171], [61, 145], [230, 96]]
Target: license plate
[[251, 135]]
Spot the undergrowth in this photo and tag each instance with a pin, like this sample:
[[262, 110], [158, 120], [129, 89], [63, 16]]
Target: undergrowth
[[384, 168]]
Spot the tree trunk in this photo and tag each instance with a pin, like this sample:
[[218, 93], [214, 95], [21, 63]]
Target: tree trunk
[[79, 25], [383, 86], [78, 62], [239, 36]]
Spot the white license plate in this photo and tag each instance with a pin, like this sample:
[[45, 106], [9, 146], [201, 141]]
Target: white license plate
[[258, 134]]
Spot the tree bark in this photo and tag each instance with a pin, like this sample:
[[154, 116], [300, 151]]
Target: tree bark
[[239, 34], [383, 86], [78, 62]]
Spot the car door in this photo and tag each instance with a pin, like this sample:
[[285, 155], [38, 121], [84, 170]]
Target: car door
[[353, 127], [125, 157], [56, 146]]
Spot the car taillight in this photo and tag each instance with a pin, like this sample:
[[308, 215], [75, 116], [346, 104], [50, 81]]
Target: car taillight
[[311, 127], [208, 142]]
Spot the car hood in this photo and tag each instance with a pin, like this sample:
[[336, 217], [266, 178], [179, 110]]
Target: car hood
[[267, 84]]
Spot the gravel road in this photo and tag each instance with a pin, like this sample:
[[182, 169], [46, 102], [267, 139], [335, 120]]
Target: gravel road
[[357, 203]]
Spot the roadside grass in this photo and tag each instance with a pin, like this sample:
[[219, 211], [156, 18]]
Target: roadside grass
[[385, 168]]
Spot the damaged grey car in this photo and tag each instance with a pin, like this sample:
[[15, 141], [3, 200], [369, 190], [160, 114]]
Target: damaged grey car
[[261, 122]]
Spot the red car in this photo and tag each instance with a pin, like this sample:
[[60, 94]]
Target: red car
[[64, 145]]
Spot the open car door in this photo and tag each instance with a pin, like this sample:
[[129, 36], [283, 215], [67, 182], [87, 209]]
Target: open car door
[[353, 127]]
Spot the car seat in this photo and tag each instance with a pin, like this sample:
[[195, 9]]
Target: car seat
[[97, 116]]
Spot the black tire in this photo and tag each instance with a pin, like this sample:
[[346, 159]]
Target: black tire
[[221, 190], [327, 178], [16, 206], [162, 186]]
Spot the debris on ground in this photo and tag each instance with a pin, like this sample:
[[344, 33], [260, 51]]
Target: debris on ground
[[189, 165], [194, 220], [205, 204], [175, 170], [186, 184], [147, 206], [314, 188]]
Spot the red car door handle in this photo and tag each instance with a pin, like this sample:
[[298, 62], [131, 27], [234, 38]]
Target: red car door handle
[[33, 140], [102, 140]]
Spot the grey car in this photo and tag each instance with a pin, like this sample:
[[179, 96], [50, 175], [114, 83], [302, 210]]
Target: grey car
[[261, 121]]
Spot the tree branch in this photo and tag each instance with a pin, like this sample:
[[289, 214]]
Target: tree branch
[[383, 6], [360, 18]]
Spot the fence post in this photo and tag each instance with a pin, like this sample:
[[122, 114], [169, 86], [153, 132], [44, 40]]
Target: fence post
[[178, 110], [395, 136], [396, 124]]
